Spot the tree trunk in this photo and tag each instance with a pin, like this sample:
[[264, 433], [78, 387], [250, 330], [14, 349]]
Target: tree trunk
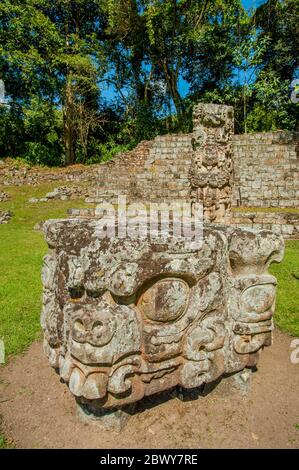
[[68, 124], [171, 77]]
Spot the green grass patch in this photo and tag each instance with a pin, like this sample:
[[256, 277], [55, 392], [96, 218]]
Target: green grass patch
[[287, 302], [5, 443], [21, 254], [267, 210]]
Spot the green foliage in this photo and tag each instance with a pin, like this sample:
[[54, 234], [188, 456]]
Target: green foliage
[[33, 133], [273, 108], [5, 443], [11, 131], [57, 58], [42, 125]]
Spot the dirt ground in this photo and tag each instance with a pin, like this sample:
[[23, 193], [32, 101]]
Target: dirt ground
[[38, 411]]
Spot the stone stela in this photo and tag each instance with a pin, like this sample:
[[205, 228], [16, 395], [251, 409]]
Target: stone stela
[[124, 319], [211, 169]]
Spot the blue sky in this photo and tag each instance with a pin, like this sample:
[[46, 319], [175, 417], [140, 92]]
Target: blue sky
[[252, 3]]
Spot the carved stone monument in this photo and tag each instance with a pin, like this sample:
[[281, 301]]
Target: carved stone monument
[[125, 318], [211, 170]]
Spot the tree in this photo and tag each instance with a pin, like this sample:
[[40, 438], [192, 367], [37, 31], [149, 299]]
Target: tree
[[57, 57], [247, 56], [277, 22], [53, 50]]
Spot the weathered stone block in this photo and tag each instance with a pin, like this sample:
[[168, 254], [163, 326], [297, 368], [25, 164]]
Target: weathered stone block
[[5, 217], [126, 318]]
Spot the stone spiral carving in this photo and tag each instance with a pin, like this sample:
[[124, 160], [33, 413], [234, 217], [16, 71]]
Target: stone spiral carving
[[124, 318]]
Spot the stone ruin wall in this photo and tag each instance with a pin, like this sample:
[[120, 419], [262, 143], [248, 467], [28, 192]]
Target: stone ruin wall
[[158, 172], [266, 169], [265, 174]]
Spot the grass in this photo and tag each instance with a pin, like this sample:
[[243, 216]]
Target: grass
[[22, 250], [21, 254], [5, 443], [287, 302], [267, 210]]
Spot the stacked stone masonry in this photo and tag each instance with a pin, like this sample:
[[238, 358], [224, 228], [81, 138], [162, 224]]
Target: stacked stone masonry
[[159, 174], [285, 223], [265, 174], [262, 170], [266, 170]]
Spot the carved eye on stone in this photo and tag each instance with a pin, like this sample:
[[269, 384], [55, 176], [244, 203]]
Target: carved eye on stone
[[76, 292], [78, 331], [102, 330], [165, 301], [97, 329], [258, 299]]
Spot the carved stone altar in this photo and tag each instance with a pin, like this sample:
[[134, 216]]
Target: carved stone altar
[[211, 170], [125, 318]]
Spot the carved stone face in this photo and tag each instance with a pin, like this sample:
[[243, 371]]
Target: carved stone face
[[95, 327], [253, 303], [128, 318], [101, 331], [213, 124], [254, 325], [210, 173]]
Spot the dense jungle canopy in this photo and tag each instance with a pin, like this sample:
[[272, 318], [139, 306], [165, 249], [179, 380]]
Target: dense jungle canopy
[[85, 79]]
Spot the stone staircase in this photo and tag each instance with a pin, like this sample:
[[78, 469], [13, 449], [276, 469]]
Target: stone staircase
[[153, 171]]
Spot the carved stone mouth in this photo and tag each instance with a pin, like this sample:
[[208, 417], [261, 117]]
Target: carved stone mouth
[[92, 387], [253, 328], [253, 317], [85, 352], [247, 344]]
